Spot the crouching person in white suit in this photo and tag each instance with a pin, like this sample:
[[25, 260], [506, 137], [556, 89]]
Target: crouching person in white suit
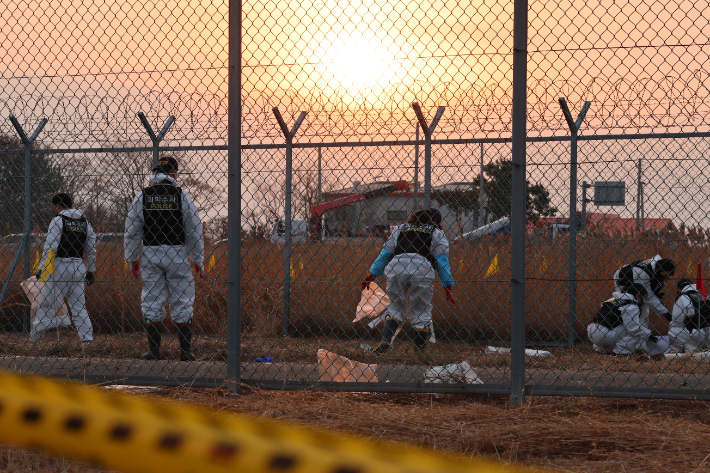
[[620, 326], [688, 331], [70, 238]]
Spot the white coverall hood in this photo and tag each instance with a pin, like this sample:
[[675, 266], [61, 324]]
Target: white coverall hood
[[71, 213], [159, 177]]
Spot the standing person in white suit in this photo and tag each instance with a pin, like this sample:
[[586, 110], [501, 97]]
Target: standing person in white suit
[[164, 218], [687, 330], [70, 238]]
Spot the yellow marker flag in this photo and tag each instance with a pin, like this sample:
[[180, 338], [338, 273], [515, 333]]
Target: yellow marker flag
[[125, 265], [212, 262], [690, 268], [460, 265], [543, 266], [48, 266], [293, 271], [493, 268]]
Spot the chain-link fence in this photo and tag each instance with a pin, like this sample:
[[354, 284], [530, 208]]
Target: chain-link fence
[[562, 144]]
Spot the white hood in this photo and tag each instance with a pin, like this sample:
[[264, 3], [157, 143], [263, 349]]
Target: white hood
[[71, 213], [623, 296], [159, 177]]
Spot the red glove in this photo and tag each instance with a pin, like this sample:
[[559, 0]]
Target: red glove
[[136, 269], [450, 295], [198, 270], [366, 281]]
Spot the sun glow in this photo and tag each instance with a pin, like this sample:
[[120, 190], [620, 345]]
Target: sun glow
[[357, 62]]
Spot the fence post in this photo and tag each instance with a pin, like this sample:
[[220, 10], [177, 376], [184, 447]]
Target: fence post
[[26, 243], [428, 130], [156, 139], [574, 129], [234, 198], [517, 215], [286, 322], [481, 195], [416, 172]]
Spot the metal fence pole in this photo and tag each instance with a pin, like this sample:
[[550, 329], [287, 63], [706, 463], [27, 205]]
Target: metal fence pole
[[585, 186], [27, 142], [286, 322], [416, 172], [156, 139], [517, 216], [428, 130], [234, 198], [481, 195], [574, 129], [639, 201]]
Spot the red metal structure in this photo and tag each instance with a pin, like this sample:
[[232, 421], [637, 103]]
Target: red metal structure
[[315, 221]]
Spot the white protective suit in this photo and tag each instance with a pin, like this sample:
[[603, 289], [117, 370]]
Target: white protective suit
[[410, 278], [682, 339], [166, 267], [642, 277], [626, 338], [67, 280]]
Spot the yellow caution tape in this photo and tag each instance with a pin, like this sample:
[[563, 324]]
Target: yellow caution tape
[[136, 434]]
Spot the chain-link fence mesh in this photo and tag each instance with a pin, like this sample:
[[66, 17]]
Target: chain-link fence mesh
[[354, 116]]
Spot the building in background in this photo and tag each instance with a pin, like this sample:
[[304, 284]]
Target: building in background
[[377, 215]]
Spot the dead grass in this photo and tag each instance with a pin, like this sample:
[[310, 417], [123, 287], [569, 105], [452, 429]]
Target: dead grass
[[325, 289], [560, 434]]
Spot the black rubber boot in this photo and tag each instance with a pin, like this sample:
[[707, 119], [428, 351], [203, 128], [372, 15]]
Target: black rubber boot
[[154, 339], [391, 326], [420, 338], [185, 336], [424, 352]]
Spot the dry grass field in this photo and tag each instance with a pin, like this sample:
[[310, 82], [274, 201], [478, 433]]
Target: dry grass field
[[554, 434], [325, 289]]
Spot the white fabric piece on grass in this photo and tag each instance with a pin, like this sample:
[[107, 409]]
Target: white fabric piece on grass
[[506, 351], [453, 373]]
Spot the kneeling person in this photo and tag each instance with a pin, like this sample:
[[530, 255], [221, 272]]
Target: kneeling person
[[688, 330], [621, 324]]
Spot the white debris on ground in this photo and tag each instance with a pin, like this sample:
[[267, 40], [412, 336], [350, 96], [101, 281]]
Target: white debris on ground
[[453, 373], [135, 389], [700, 356], [506, 351]]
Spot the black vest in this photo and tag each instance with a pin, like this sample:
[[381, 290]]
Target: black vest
[[626, 275], [693, 322], [162, 215], [416, 239], [609, 314], [71, 245]]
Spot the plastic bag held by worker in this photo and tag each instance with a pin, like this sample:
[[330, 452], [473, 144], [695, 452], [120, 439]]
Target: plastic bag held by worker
[[372, 303], [32, 287], [333, 367]]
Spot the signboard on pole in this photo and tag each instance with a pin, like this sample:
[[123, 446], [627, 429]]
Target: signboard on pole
[[609, 193]]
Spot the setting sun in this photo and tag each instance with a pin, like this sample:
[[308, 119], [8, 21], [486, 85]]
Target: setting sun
[[357, 61]]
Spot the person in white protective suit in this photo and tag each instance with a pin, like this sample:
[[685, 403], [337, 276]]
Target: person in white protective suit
[[410, 259], [620, 326], [164, 218], [687, 330], [652, 274], [70, 238]]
